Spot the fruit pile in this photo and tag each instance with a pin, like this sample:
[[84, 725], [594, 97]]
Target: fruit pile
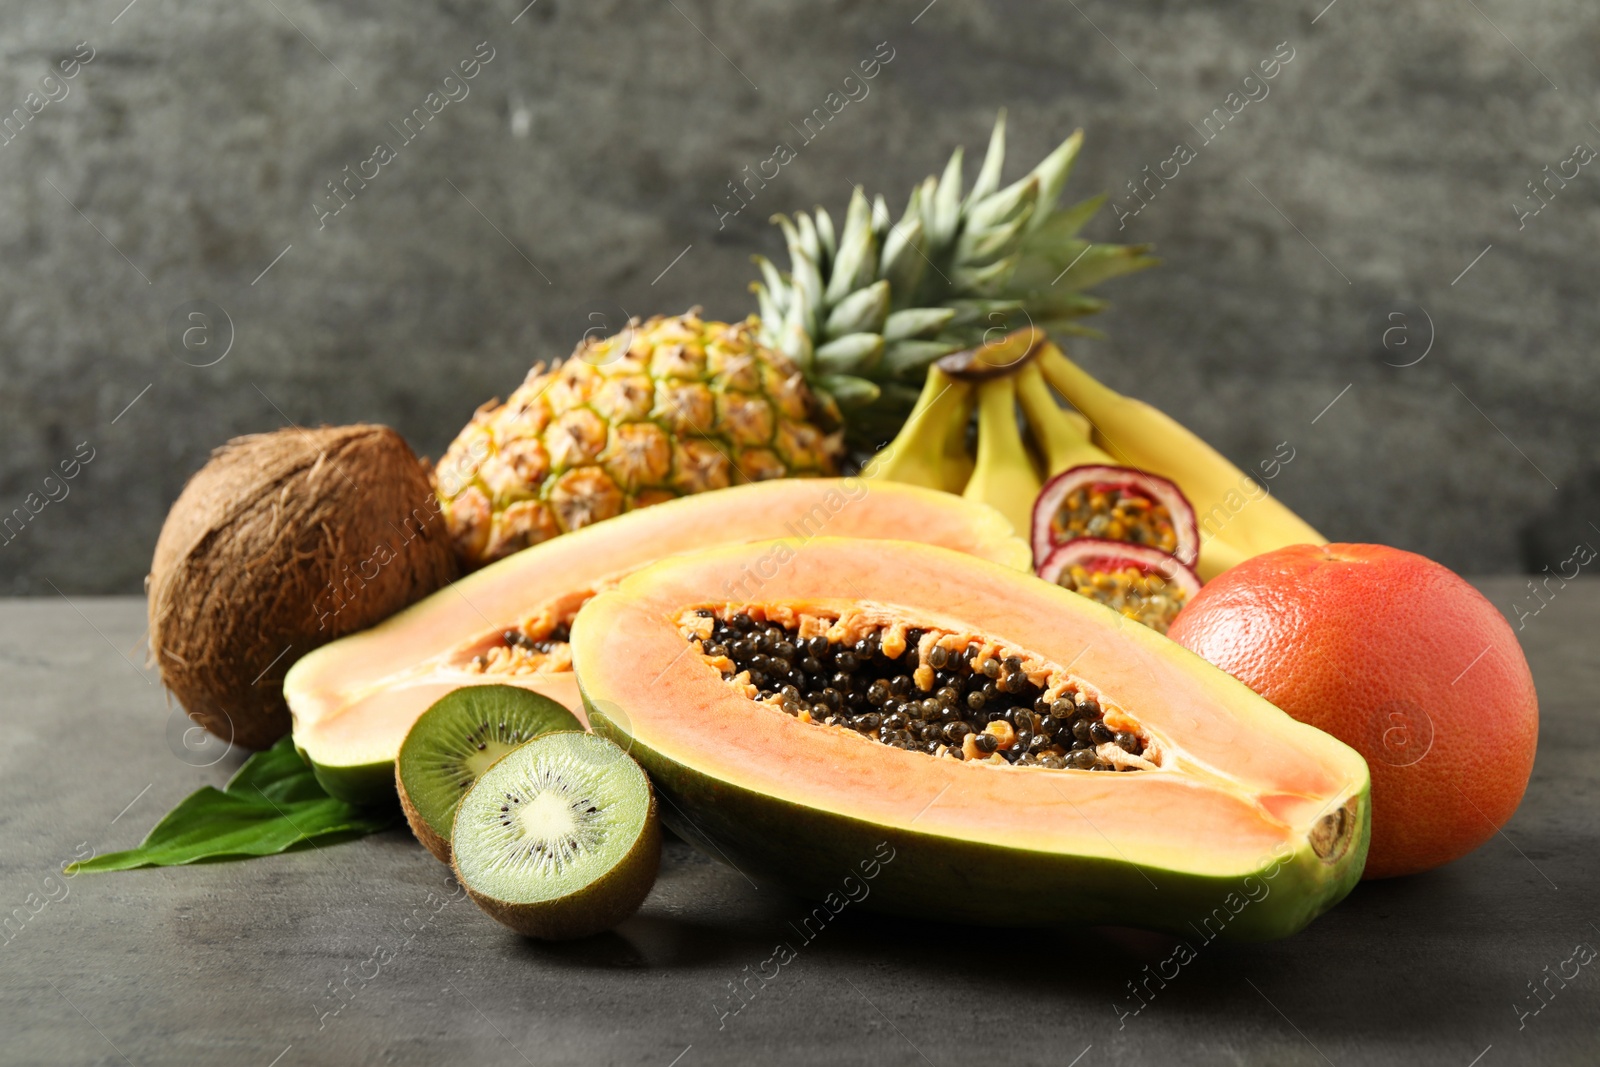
[[925, 564]]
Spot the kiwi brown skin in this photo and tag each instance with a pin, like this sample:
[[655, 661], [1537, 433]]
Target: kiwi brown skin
[[593, 909], [419, 826]]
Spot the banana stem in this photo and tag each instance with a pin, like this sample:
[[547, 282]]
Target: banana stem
[[1071, 380], [1003, 477], [930, 448], [1061, 440]]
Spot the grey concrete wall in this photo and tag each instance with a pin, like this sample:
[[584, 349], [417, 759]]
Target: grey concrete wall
[[186, 157]]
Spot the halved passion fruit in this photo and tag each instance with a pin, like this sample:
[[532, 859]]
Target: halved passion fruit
[[353, 700], [1144, 584], [966, 742], [1117, 504]]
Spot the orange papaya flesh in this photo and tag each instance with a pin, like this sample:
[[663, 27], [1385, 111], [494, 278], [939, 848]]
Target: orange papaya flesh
[[353, 700], [1244, 824]]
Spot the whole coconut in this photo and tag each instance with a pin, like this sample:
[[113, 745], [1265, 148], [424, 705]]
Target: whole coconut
[[282, 542]]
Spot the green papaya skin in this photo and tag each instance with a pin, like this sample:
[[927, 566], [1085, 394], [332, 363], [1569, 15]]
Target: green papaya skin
[[811, 852]]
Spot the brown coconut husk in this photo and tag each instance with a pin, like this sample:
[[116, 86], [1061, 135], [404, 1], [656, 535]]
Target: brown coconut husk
[[282, 542]]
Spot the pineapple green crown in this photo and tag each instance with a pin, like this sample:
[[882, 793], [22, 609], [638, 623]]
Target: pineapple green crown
[[863, 310]]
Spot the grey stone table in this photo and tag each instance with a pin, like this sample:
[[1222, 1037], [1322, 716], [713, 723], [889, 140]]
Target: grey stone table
[[360, 953]]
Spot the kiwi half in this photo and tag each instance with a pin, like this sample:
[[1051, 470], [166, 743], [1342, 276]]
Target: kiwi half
[[559, 840], [455, 741]]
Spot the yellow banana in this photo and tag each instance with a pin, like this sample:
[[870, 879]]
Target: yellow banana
[[1058, 433], [1238, 518], [931, 448], [1003, 477]]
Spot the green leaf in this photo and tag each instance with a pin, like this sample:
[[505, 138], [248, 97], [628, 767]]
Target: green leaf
[[273, 803], [1089, 268], [916, 322], [863, 311], [1053, 171], [942, 209], [850, 391], [1004, 206], [809, 240], [903, 261], [904, 358], [993, 160], [1061, 226], [858, 251], [852, 353], [977, 247], [830, 244]]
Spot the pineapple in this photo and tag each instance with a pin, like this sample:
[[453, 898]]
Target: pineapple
[[834, 361], [664, 408], [863, 310]]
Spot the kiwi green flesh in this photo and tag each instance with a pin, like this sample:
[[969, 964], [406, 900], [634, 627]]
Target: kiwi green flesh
[[560, 838], [455, 741]]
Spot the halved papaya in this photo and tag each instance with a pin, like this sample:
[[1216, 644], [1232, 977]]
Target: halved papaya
[[354, 699], [850, 727]]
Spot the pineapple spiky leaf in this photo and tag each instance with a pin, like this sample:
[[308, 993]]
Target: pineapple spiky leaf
[[878, 301]]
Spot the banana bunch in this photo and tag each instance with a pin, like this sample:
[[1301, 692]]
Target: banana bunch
[[1238, 518]]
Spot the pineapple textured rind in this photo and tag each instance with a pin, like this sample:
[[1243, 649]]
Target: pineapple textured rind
[[662, 409]]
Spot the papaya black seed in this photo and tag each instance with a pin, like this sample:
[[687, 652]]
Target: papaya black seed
[[857, 685]]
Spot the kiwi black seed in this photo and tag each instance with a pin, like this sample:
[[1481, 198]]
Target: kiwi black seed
[[892, 699], [559, 839], [455, 741]]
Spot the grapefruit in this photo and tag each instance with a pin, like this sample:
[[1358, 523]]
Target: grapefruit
[[1398, 657]]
